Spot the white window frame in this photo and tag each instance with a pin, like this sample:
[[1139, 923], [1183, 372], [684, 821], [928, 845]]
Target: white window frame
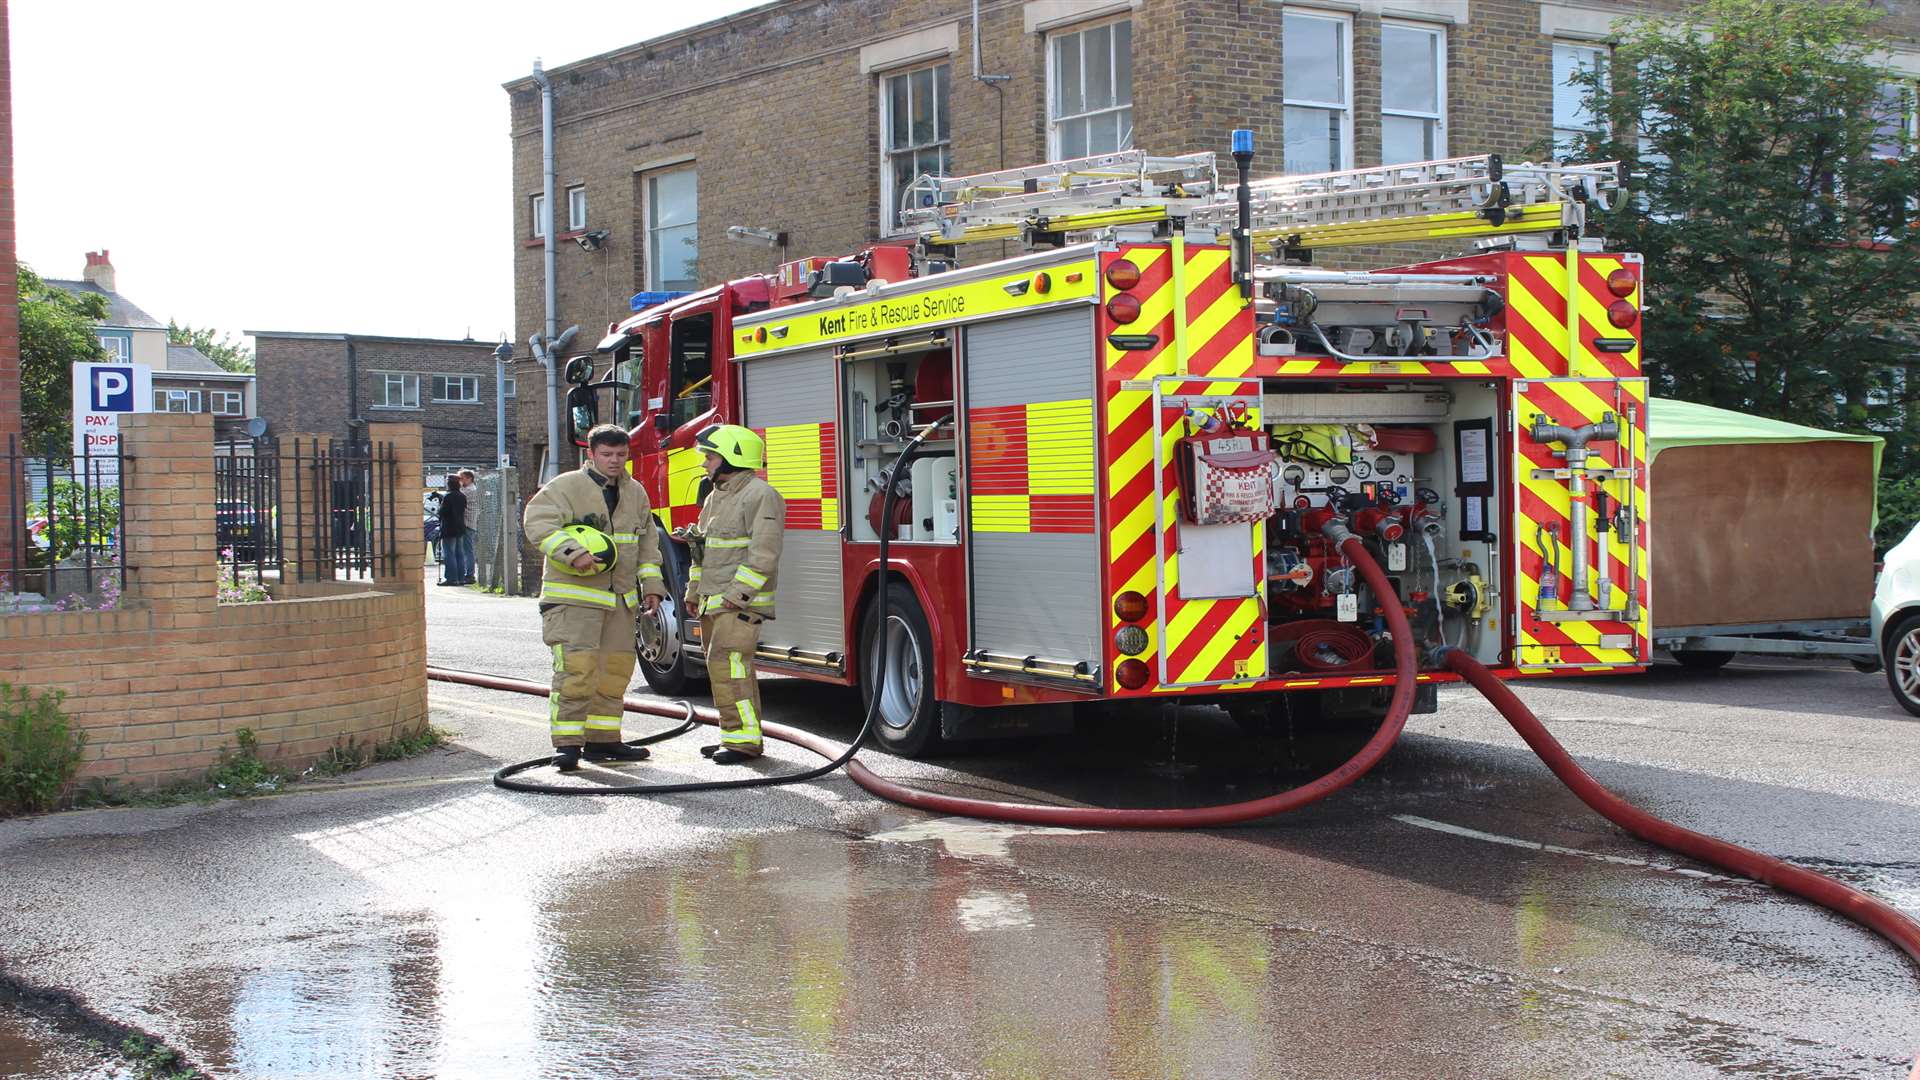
[[512, 386], [116, 345], [440, 383], [407, 380], [1343, 108], [227, 402], [1910, 103], [538, 205], [1438, 118], [1563, 137], [576, 208], [166, 398], [889, 213], [1053, 122], [652, 230]]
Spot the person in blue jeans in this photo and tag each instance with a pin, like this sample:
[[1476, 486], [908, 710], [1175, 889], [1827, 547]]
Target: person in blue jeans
[[469, 488], [453, 535]]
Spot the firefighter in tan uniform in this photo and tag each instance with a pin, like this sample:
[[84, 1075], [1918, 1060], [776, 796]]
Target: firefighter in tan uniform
[[602, 567], [737, 554]]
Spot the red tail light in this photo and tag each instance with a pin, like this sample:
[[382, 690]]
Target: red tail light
[[1132, 674], [1622, 314], [1621, 283], [1122, 274], [1130, 606], [1123, 308]]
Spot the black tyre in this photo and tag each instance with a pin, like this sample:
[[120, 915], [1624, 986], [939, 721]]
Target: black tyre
[[663, 659], [1702, 659], [1900, 649], [909, 720]]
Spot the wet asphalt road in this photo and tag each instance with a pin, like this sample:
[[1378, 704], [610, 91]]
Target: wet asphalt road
[[413, 921]]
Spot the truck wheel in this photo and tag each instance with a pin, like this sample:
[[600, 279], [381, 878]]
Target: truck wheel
[[909, 720], [1702, 659], [1901, 649], [663, 661]]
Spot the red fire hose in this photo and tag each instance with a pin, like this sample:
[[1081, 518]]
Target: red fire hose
[[1874, 914]]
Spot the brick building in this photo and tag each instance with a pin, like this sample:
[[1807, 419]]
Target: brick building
[[336, 383], [805, 117]]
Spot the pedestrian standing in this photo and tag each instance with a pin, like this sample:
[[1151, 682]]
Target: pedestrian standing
[[453, 526], [469, 489], [602, 566], [741, 530]]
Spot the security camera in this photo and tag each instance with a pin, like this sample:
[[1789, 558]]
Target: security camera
[[592, 241]]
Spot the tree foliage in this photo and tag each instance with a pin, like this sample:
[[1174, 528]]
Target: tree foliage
[[229, 352], [1774, 196], [56, 332]]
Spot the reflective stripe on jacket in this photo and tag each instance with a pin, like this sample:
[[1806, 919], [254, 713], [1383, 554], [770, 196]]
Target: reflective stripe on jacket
[[576, 498], [742, 525]]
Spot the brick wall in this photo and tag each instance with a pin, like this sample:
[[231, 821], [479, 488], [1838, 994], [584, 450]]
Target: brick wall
[[9, 286], [162, 684], [303, 387]]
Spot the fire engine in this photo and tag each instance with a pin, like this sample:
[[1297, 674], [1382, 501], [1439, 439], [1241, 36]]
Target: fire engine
[[1142, 425]]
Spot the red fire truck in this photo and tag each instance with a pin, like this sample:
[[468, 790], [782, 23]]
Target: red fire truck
[[1144, 423]]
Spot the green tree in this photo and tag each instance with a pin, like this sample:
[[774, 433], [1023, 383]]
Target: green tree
[[229, 352], [56, 332], [1773, 196]]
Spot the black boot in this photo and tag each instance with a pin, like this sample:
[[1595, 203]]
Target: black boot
[[566, 758], [725, 756], [709, 751], [616, 752]]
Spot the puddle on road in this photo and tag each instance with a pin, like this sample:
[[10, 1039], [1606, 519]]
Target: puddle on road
[[30, 1047], [800, 954]]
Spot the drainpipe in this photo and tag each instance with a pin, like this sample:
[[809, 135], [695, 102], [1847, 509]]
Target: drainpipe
[[353, 392], [547, 358], [992, 81]]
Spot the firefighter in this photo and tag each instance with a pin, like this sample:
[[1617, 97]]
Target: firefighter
[[602, 566], [737, 555]]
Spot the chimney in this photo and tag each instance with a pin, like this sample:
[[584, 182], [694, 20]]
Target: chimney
[[100, 270]]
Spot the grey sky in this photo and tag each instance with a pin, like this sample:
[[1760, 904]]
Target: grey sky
[[265, 165]]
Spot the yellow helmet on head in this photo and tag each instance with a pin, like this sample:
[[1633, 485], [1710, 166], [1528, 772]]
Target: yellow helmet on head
[[600, 544], [737, 446]]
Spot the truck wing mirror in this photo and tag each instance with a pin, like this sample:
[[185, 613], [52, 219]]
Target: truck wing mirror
[[583, 412]]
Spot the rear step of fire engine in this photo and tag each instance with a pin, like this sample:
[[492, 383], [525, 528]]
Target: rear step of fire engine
[[1452, 198]]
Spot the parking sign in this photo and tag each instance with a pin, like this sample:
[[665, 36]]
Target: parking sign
[[102, 394]]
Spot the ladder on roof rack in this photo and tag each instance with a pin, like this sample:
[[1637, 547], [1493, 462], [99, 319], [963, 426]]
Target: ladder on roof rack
[[1452, 198]]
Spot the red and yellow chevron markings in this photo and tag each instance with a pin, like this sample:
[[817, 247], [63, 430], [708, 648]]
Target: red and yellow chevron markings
[[684, 474], [1537, 340], [1546, 503], [1032, 467], [800, 466]]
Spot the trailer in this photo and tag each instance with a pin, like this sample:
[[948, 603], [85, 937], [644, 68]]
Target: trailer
[[1147, 433], [1777, 558]]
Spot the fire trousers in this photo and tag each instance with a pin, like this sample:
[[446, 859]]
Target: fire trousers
[[592, 664], [731, 639]]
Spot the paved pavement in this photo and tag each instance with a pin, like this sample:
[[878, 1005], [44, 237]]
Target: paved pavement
[[1456, 913]]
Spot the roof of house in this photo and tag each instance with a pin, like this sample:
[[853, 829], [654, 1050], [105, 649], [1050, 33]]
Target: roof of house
[[120, 310], [308, 335], [188, 358]]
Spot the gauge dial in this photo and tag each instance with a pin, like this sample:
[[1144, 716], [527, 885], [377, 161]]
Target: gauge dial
[[1362, 470], [1339, 475], [1383, 465], [1294, 476]]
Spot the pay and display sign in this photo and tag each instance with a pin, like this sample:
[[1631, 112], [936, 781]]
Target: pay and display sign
[[102, 394]]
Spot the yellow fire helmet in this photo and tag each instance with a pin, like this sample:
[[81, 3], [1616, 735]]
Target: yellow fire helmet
[[737, 446], [595, 541]]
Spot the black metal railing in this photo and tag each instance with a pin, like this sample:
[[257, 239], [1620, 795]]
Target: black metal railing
[[246, 508], [62, 536], [344, 513]]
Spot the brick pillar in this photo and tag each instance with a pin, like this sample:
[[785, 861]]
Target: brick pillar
[[9, 289], [167, 514], [409, 532], [304, 512]]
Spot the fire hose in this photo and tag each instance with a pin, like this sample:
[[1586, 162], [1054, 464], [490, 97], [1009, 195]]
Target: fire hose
[[1869, 911]]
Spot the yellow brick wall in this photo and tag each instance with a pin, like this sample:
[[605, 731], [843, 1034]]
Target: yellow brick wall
[[161, 685]]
